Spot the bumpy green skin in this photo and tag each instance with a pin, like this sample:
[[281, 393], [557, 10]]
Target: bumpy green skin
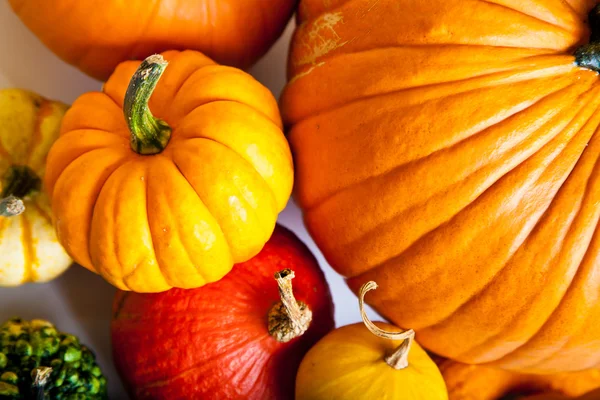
[[27, 345]]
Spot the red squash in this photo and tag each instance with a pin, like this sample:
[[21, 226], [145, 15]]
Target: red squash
[[219, 341]]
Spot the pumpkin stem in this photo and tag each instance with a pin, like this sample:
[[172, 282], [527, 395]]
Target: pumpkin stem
[[288, 318], [40, 378], [149, 135], [588, 55], [19, 181], [11, 206], [398, 359]]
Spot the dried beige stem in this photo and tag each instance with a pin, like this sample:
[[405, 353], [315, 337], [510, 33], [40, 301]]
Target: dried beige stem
[[399, 358], [288, 318]]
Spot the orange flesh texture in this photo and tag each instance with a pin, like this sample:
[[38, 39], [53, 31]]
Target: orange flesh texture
[[454, 162], [178, 218]]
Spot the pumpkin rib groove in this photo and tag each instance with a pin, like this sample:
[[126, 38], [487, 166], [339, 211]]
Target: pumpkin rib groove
[[89, 238], [227, 240], [67, 165], [271, 191], [244, 161], [321, 202], [488, 83], [537, 59], [36, 136], [595, 236], [83, 130], [241, 196], [482, 345], [562, 28], [473, 296], [474, 350], [229, 101], [390, 260], [301, 70], [179, 235], [28, 256], [151, 238], [104, 271]]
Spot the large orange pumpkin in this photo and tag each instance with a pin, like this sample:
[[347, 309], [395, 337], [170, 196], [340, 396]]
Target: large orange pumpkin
[[96, 36], [174, 200], [448, 150]]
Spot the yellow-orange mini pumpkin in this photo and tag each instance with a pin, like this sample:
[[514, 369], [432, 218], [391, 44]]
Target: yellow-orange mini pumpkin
[[448, 149], [29, 249], [96, 36], [366, 361], [152, 203], [476, 382]]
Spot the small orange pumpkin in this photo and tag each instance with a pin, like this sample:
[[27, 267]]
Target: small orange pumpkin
[[97, 36], [153, 203], [476, 382]]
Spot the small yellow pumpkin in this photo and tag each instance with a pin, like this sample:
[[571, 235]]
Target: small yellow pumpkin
[[369, 361], [29, 249]]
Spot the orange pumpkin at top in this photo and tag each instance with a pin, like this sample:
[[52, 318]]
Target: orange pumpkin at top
[[96, 36], [448, 149], [174, 200]]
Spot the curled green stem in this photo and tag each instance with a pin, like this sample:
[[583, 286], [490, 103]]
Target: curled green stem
[[149, 135]]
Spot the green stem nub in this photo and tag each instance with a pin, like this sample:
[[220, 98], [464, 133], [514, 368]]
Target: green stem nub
[[19, 181], [588, 55], [149, 135]]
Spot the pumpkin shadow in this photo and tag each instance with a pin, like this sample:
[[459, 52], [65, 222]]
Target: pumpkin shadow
[[88, 300]]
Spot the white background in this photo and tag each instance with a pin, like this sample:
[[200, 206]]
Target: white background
[[79, 301]]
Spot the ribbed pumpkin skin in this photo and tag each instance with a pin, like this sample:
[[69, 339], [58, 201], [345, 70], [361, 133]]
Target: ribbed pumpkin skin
[[182, 217], [29, 249], [475, 382], [213, 342], [447, 150], [96, 36]]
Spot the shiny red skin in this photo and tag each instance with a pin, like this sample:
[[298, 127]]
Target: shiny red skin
[[212, 342]]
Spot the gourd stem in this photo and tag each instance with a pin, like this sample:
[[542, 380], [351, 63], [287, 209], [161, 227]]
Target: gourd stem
[[288, 318], [149, 135], [11, 206], [588, 55], [40, 378], [398, 359], [18, 182]]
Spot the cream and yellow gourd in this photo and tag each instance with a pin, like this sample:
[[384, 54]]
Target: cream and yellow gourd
[[29, 249]]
